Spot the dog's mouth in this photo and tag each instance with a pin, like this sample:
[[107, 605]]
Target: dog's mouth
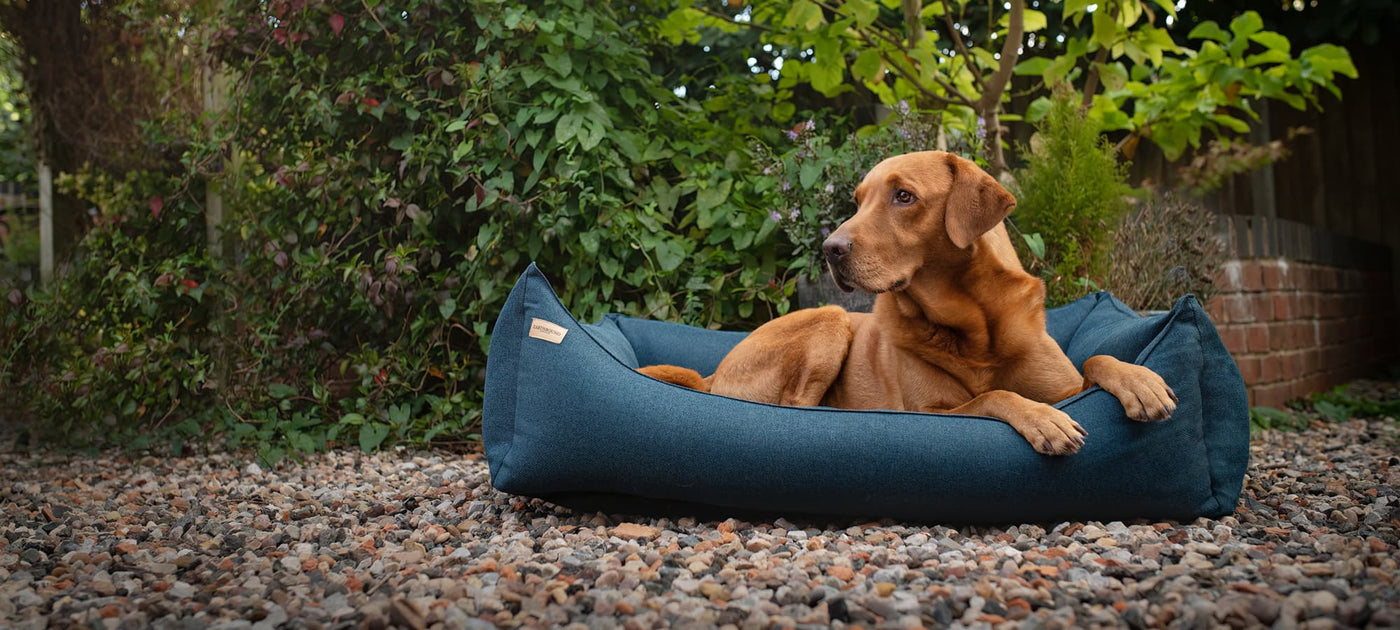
[[841, 283], [848, 285]]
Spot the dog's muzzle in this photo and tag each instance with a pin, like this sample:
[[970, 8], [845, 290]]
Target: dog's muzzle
[[837, 250]]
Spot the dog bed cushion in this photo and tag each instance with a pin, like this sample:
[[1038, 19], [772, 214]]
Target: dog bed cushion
[[567, 419]]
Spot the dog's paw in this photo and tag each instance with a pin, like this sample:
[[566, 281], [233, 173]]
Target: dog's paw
[[1145, 396], [1051, 431]]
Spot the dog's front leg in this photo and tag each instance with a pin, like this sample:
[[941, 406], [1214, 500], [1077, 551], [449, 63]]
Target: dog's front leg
[[1049, 430], [1145, 396]]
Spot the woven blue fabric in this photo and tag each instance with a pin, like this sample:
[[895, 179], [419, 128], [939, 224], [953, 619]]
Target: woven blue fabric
[[569, 420]]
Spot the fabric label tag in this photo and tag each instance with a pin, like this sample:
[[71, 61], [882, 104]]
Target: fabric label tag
[[548, 331]]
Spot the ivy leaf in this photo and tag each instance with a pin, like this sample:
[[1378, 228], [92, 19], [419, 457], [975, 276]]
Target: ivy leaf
[[447, 308], [567, 127], [669, 255], [560, 63], [156, 204], [280, 391], [712, 196]]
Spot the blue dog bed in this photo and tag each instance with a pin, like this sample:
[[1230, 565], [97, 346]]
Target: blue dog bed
[[567, 419]]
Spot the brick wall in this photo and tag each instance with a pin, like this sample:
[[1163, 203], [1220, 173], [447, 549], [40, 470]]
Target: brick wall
[[1298, 327]]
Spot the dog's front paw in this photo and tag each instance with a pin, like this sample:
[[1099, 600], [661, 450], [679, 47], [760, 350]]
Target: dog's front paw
[[1051, 431], [1145, 396]]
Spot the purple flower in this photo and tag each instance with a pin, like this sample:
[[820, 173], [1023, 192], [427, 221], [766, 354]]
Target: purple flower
[[777, 218], [794, 214], [826, 232], [830, 188], [903, 108], [786, 185], [981, 128], [792, 134], [810, 124]]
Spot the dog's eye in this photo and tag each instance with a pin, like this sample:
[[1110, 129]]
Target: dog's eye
[[903, 197]]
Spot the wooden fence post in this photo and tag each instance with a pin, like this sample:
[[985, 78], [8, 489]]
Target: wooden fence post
[[46, 240]]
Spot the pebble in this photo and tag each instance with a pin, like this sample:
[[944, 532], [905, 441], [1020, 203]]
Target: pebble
[[419, 539]]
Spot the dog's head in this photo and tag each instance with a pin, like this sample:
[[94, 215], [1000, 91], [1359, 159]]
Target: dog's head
[[914, 211]]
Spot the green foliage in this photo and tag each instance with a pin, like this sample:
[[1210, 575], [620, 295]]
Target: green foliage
[[388, 172], [1340, 405], [16, 154], [1173, 95], [1072, 195], [1266, 418]]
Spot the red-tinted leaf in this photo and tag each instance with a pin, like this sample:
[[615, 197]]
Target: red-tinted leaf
[[345, 97], [156, 204], [189, 284], [337, 22], [370, 102], [280, 259]]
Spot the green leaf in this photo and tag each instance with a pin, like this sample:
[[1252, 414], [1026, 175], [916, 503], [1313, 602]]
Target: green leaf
[[372, 435], [280, 391], [1038, 108], [1106, 29], [567, 127], [1329, 58], [1272, 41], [1208, 30], [669, 255], [402, 142], [1036, 243], [561, 63], [804, 14], [1033, 20], [1073, 7], [711, 196], [864, 11], [869, 66], [1248, 23], [808, 174], [1032, 66], [448, 307]]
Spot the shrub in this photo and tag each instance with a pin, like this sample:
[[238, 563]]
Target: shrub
[[1072, 193], [1166, 249], [387, 173]]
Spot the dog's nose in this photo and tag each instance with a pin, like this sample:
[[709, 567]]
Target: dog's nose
[[836, 248]]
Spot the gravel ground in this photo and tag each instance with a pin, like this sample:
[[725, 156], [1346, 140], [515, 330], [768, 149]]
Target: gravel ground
[[420, 539]]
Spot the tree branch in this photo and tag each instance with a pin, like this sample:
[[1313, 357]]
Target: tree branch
[[1010, 51], [1091, 83], [962, 47]]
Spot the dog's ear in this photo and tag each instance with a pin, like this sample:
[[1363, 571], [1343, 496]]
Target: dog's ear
[[976, 203]]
